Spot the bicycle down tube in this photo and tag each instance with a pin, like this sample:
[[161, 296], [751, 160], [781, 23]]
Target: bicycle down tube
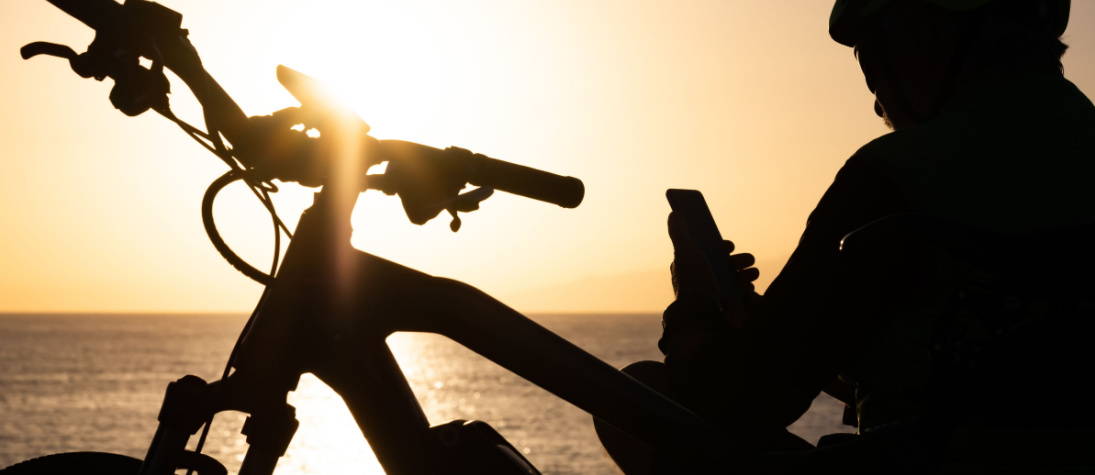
[[319, 323]]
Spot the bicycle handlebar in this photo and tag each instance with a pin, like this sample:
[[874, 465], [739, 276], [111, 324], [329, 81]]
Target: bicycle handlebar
[[145, 28], [150, 21], [481, 170], [459, 164], [565, 191]]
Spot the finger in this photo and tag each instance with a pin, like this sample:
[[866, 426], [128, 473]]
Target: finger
[[470, 200], [677, 232], [741, 261], [728, 247], [749, 275]]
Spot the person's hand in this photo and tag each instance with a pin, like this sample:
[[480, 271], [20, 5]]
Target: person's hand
[[691, 274]]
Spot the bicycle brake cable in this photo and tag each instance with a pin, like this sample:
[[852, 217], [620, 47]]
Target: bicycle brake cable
[[237, 262], [262, 191]]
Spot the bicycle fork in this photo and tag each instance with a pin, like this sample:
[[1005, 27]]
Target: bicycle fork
[[189, 402]]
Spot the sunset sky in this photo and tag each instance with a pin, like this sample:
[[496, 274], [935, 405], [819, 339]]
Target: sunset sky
[[748, 101]]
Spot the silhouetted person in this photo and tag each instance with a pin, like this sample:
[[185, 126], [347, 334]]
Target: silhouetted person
[[957, 327]]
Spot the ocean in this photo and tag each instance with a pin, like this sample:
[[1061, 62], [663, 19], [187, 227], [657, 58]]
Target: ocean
[[95, 382]]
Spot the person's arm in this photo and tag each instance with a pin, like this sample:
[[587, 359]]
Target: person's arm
[[797, 338]]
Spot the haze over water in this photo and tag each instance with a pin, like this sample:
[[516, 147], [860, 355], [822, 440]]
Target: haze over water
[[95, 382]]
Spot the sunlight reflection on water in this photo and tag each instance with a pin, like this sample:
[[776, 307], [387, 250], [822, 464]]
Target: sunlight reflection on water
[[96, 382], [328, 440]]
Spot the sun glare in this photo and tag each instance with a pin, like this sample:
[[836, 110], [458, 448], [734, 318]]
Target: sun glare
[[377, 59]]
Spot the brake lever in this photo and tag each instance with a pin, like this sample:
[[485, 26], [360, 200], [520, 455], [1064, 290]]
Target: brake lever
[[135, 90], [123, 33], [82, 64], [466, 202], [50, 49]]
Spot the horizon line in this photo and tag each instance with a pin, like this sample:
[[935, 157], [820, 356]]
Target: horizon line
[[7, 313]]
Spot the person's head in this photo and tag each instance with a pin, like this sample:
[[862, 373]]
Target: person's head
[[916, 53]]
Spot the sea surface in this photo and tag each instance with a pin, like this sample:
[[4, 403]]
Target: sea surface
[[95, 382]]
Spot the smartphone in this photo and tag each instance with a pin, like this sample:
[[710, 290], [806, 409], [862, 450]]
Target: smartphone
[[690, 206]]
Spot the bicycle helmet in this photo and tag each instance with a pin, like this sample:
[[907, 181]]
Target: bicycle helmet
[[850, 17]]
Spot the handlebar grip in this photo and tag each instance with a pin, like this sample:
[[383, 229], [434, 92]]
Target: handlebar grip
[[565, 191]]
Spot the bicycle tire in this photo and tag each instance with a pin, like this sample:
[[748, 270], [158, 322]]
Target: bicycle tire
[[84, 463]]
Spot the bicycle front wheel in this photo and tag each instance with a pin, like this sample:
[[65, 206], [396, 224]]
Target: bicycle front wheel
[[83, 463]]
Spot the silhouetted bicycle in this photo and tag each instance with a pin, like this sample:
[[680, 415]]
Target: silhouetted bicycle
[[328, 307]]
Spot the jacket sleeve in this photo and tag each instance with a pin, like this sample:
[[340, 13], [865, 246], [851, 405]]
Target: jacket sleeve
[[765, 375]]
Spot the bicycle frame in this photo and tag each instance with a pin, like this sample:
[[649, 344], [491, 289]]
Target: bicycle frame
[[328, 313], [330, 308]]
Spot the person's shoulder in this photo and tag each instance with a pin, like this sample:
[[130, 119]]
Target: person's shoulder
[[916, 149], [878, 150]]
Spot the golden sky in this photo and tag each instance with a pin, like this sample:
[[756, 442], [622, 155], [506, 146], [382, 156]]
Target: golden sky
[[748, 101]]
